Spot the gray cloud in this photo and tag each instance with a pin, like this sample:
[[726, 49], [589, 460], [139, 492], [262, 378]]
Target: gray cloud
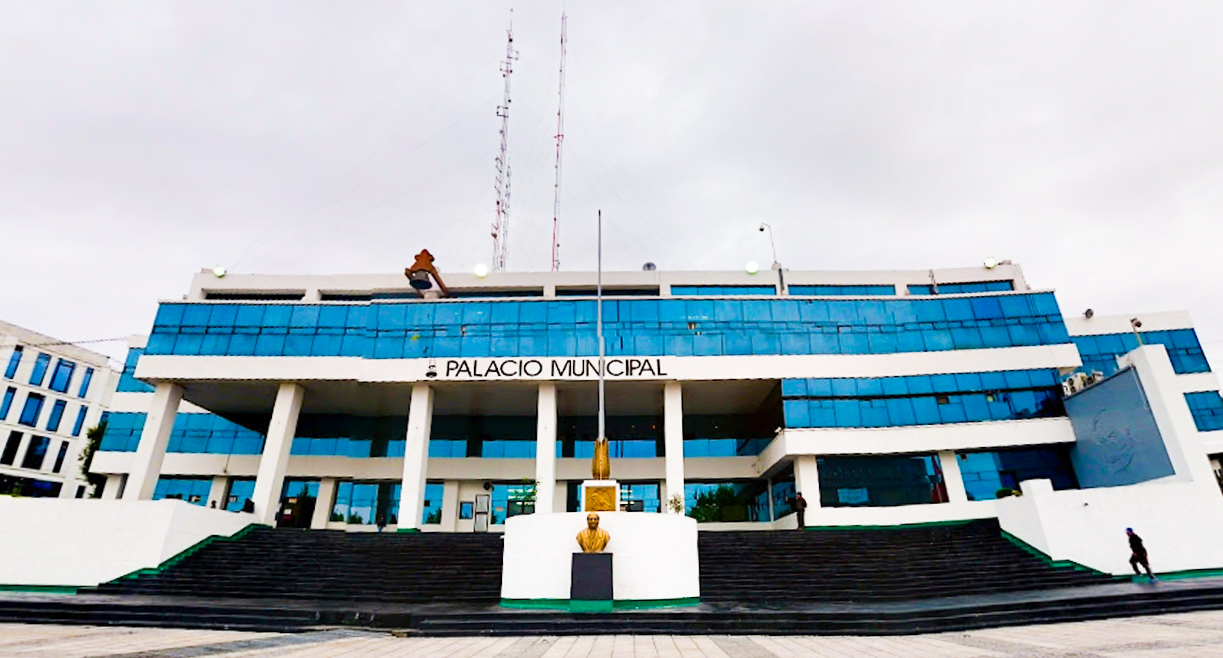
[[141, 141]]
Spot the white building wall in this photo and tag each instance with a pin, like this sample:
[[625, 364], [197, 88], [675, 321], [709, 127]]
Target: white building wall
[[95, 401]]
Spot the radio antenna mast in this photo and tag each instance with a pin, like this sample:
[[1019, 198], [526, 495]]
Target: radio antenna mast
[[501, 225], [560, 141]]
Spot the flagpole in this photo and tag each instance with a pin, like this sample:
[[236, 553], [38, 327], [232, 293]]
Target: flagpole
[[599, 327]]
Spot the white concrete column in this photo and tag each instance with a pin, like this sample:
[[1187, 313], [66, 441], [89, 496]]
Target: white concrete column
[[807, 482], [22, 446], [275, 459], [217, 491], [952, 479], [112, 488], [561, 497], [322, 506], [545, 449], [416, 458], [673, 436], [146, 466], [450, 505]]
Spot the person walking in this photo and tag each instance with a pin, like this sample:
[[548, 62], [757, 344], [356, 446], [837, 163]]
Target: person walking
[[1138, 554], [800, 508]]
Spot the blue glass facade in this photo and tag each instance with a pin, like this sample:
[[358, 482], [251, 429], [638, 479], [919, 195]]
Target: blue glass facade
[[365, 503], [192, 490], [962, 288], [240, 490], [922, 399], [880, 481], [7, 402], [36, 452], [14, 360], [61, 377], [80, 420], [984, 473], [86, 379], [192, 433], [56, 416], [842, 291], [32, 410], [1207, 410], [350, 436], [722, 291], [633, 327], [511, 499], [39, 373], [1100, 352], [727, 501], [127, 381]]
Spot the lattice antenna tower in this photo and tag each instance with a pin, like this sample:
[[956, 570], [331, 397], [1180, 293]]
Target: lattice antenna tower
[[560, 141], [501, 225]]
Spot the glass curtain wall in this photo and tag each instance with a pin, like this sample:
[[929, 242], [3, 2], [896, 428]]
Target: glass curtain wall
[[627, 436], [489, 437], [883, 481], [727, 501], [987, 473]]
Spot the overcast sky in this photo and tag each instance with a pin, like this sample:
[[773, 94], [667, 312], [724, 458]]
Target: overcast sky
[[141, 141]]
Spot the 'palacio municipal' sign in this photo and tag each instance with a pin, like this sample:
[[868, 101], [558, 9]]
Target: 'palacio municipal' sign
[[519, 368]]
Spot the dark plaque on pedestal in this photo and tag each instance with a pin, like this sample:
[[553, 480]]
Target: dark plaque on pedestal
[[591, 577]]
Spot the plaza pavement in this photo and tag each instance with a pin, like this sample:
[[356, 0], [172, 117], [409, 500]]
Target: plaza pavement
[[1196, 635]]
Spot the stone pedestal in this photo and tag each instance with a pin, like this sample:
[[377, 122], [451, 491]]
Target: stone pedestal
[[590, 583], [600, 496]]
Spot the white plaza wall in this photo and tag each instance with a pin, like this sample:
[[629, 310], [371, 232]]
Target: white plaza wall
[[1177, 516], [1178, 522], [654, 556], [57, 542]]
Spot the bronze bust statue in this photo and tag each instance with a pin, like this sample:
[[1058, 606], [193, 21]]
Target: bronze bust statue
[[593, 539]]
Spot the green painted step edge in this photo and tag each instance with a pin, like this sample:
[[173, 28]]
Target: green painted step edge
[[407, 530], [564, 604], [1039, 554], [181, 555], [40, 589], [900, 526], [1180, 575]]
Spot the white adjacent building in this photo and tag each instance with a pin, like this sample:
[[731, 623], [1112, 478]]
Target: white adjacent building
[[51, 393]]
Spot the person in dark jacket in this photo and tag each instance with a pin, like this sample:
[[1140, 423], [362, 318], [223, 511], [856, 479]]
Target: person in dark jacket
[[1138, 554], [800, 508]]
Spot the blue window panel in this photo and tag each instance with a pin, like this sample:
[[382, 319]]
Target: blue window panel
[[191, 490], [848, 413], [921, 290], [926, 409], [722, 290], [842, 291], [1207, 410], [793, 387], [61, 376], [993, 381], [873, 413], [920, 384], [7, 402], [953, 411], [32, 410], [976, 408], [892, 386], [56, 416], [796, 413], [900, 412], [36, 452], [968, 381], [14, 360], [869, 387], [844, 388], [40, 369]]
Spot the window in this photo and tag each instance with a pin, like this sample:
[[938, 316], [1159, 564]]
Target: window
[[59, 459], [730, 501], [962, 288], [510, 500], [698, 325], [10, 449], [1100, 352], [85, 380], [7, 403], [61, 377], [127, 381], [607, 292], [40, 369], [985, 473], [80, 420], [56, 415], [432, 513], [921, 399], [240, 491], [13, 361], [842, 291], [363, 503], [678, 291], [884, 481], [32, 410], [36, 453], [192, 490], [1207, 410]]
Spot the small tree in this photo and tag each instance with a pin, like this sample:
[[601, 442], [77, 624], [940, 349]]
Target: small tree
[[93, 439]]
